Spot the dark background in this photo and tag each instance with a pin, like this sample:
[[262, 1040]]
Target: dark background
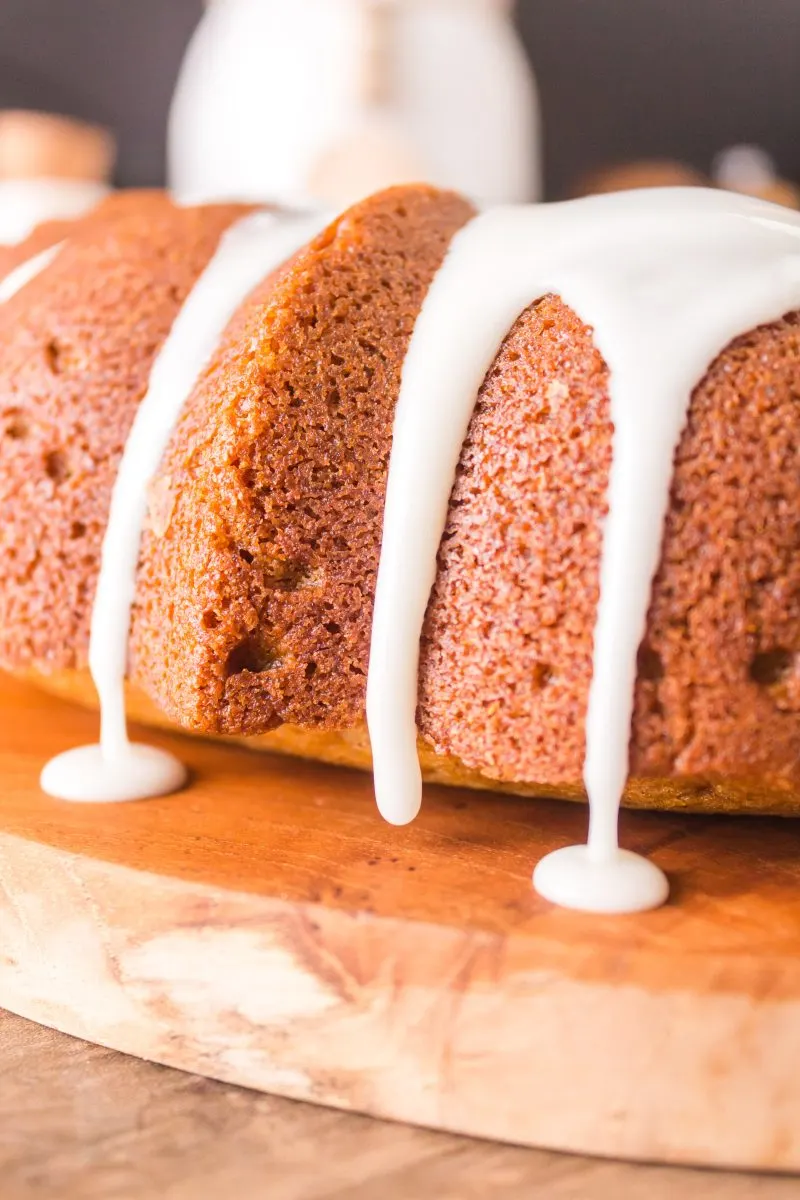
[[619, 79]]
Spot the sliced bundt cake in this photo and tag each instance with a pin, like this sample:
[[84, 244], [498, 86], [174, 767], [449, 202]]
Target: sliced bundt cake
[[256, 580]]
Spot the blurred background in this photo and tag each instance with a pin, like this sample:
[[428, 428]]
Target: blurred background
[[618, 80]]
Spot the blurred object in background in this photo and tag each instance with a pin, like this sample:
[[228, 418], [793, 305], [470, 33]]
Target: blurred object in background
[[751, 170], [51, 167], [624, 177], [747, 169], [36, 144], [327, 100]]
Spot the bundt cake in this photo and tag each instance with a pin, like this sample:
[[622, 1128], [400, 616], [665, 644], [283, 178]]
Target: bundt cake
[[611, 382]]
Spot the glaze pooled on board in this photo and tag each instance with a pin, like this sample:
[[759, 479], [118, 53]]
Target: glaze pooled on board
[[117, 769], [666, 278]]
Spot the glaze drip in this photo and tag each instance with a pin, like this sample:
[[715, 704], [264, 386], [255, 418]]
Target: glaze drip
[[666, 278], [118, 769]]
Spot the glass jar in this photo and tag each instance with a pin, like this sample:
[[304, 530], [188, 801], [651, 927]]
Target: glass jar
[[327, 100]]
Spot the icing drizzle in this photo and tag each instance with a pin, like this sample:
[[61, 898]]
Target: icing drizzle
[[666, 278], [118, 769]]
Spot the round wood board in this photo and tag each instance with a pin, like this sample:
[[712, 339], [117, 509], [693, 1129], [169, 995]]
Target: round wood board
[[266, 928]]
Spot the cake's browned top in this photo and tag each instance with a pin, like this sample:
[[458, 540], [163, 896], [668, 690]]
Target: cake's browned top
[[76, 347]]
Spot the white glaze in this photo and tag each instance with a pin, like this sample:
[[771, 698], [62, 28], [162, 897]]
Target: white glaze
[[26, 203], [87, 775], [118, 770], [666, 278], [16, 280], [620, 882]]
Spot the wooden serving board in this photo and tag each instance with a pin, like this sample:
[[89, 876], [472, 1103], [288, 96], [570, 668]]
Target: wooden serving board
[[266, 928]]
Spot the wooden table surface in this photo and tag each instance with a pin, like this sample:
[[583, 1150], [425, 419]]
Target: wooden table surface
[[78, 1122], [266, 928]]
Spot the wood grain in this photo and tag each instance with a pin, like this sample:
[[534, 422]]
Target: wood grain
[[79, 1122], [264, 927]]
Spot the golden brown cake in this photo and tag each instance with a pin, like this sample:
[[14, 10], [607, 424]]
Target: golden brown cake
[[257, 569]]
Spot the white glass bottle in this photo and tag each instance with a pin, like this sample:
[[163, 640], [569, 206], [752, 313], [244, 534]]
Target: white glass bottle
[[327, 100]]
